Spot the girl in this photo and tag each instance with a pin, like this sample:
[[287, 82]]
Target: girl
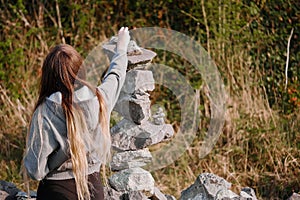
[[69, 135]]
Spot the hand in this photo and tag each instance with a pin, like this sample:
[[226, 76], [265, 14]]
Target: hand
[[123, 39]]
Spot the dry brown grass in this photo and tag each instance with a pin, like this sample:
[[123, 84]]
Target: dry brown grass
[[258, 147]]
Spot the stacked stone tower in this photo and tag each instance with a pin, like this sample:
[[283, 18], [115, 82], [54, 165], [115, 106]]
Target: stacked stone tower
[[137, 129]]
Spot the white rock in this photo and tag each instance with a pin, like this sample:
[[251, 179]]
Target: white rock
[[3, 195], [127, 135], [158, 195], [138, 80], [250, 192], [133, 179], [226, 194], [130, 159], [245, 196], [208, 187], [295, 196]]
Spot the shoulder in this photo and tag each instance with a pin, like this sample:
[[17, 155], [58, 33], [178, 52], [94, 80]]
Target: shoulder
[[39, 116]]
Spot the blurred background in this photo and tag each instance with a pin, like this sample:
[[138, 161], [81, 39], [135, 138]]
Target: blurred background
[[250, 42]]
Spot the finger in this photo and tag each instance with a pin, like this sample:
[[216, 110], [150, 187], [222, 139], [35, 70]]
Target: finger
[[126, 29], [121, 29]]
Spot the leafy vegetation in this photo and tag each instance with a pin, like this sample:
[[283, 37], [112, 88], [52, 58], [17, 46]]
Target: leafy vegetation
[[260, 143]]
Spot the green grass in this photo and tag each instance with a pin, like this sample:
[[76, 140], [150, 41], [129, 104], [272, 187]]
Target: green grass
[[260, 142]]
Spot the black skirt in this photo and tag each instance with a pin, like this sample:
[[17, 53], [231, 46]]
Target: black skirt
[[66, 189]]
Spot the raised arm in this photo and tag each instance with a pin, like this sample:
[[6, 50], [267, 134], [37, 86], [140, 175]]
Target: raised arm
[[115, 76]]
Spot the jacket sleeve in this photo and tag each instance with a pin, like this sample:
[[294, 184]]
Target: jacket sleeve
[[114, 79], [40, 145]]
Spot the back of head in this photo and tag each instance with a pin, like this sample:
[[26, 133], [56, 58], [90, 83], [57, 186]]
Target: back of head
[[61, 69]]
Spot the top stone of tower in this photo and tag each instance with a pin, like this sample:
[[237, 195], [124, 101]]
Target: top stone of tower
[[136, 55]]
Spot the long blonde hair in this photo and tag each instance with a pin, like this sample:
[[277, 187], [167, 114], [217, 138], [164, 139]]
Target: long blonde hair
[[63, 71]]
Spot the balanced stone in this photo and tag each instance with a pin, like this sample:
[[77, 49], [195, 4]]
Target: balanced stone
[[136, 110], [133, 49], [145, 57], [136, 54], [126, 135], [130, 159], [159, 117], [133, 179], [138, 80]]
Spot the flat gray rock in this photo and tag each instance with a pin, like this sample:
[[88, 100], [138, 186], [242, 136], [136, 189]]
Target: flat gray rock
[[144, 56], [130, 159], [209, 187], [138, 81], [133, 179], [9, 187], [126, 135]]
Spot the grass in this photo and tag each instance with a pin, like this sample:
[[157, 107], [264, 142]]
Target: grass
[[259, 147]]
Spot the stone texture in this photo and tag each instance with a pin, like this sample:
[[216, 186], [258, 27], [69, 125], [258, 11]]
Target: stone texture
[[295, 196], [208, 187], [158, 195], [111, 194], [133, 49], [130, 159], [9, 187], [134, 195], [134, 103], [245, 196], [143, 55], [159, 117], [136, 110], [138, 81], [170, 197], [134, 179], [3, 195], [127, 135], [226, 195], [248, 193], [139, 110], [24, 196]]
